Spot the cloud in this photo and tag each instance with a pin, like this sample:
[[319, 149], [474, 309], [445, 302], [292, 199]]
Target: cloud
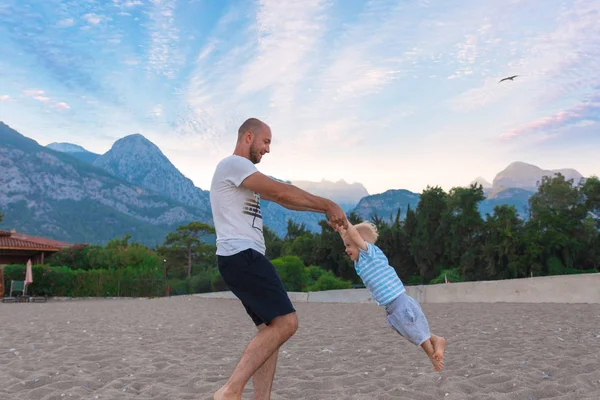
[[583, 114], [551, 65], [163, 56], [65, 23], [41, 96], [322, 73], [61, 105], [287, 32], [5, 97], [93, 19], [33, 92], [123, 4]]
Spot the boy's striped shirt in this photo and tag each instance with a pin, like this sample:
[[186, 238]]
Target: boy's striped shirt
[[378, 275]]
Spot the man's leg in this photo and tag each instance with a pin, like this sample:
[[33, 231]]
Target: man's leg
[[263, 377], [266, 342]]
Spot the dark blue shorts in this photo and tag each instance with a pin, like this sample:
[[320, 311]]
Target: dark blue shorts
[[255, 281]]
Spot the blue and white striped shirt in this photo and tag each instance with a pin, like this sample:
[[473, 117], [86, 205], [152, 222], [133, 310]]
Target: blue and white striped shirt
[[378, 275]]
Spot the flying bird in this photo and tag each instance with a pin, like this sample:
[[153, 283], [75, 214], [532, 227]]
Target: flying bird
[[509, 78]]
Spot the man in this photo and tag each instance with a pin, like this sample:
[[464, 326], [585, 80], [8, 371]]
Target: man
[[235, 194]]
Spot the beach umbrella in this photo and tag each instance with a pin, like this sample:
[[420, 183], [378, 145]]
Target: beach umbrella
[[28, 276]]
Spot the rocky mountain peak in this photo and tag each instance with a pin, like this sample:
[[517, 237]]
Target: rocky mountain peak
[[136, 159]]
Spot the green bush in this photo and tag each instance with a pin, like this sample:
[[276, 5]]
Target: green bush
[[414, 280], [313, 272], [84, 257], [65, 282], [452, 274], [328, 281], [217, 283], [293, 273], [201, 283], [177, 287], [556, 267]]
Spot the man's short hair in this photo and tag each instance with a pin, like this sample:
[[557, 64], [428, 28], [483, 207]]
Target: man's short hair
[[253, 125]]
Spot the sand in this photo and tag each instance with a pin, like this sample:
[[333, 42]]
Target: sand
[[185, 347]]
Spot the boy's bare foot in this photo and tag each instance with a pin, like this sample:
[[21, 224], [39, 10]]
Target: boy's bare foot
[[439, 346], [223, 394], [429, 348], [437, 365]]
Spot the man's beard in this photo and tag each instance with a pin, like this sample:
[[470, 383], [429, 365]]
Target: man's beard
[[254, 155]]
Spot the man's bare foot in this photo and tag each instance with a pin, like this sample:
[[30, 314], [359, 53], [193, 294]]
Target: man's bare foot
[[224, 394], [439, 346]]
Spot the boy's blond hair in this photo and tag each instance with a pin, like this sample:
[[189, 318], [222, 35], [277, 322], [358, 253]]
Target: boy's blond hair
[[368, 231]]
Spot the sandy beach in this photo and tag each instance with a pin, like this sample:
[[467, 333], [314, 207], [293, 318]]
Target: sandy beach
[[185, 347]]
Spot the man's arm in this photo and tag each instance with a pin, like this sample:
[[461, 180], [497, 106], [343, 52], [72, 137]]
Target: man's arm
[[296, 208], [292, 197]]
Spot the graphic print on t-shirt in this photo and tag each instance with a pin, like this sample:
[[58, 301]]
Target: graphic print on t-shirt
[[252, 208]]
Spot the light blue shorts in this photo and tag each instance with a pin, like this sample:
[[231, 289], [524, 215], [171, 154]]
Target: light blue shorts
[[404, 314]]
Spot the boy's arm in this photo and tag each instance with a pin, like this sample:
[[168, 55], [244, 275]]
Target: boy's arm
[[354, 236]]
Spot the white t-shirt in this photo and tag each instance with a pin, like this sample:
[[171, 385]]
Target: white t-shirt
[[236, 209]]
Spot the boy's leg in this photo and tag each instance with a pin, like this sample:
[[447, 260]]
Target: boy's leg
[[429, 350], [439, 346], [406, 316]]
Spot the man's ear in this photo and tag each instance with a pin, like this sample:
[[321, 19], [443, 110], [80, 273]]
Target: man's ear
[[248, 136]]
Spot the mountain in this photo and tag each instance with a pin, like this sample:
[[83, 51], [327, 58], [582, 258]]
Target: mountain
[[487, 187], [134, 188], [519, 198], [52, 194], [74, 150], [481, 181], [137, 172], [347, 195], [385, 205], [525, 176], [137, 160]]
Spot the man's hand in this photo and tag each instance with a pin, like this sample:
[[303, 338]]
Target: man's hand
[[338, 228], [336, 216]]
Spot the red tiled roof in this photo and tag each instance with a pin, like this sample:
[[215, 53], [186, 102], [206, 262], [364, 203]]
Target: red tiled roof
[[10, 243], [21, 241], [40, 240]]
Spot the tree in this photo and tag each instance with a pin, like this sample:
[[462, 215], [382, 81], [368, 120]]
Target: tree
[[294, 230], [1, 217], [427, 246], [117, 243], [591, 225], [303, 247], [330, 252], [273, 243], [463, 227], [189, 237], [557, 213], [591, 193], [394, 242], [503, 242]]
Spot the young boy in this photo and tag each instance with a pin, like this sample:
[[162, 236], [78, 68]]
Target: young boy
[[403, 312]]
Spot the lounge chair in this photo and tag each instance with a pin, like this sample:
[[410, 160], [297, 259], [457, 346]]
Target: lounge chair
[[19, 287]]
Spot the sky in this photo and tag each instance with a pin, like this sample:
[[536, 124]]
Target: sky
[[391, 94]]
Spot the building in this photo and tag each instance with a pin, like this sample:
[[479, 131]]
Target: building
[[17, 248]]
